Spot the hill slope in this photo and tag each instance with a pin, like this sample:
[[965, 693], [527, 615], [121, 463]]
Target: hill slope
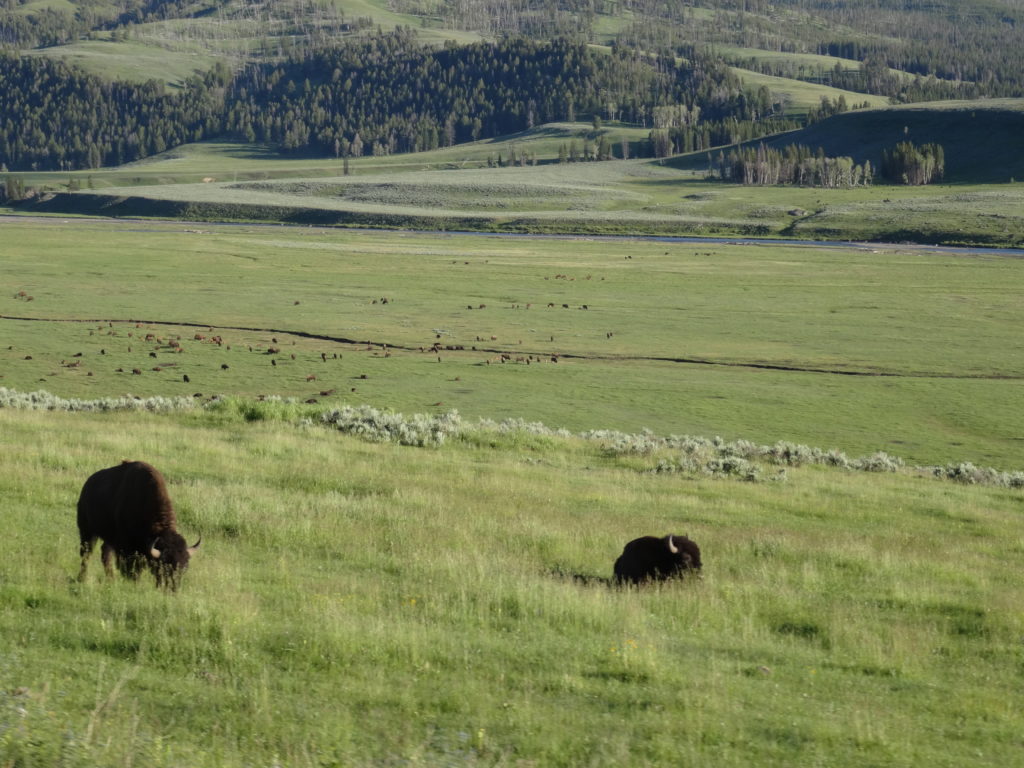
[[983, 140], [371, 604]]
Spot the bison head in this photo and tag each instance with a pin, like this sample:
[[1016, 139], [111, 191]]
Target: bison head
[[168, 558], [685, 555]]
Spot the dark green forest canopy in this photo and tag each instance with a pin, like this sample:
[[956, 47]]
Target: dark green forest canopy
[[342, 93], [54, 25], [976, 44], [378, 95], [56, 117], [392, 94]]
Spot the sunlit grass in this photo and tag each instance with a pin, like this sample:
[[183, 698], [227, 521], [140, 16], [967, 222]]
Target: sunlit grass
[[460, 187], [363, 603], [800, 95], [938, 325]]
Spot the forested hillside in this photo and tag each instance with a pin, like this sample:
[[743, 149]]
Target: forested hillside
[[388, 94], [325, 80], [980, 42], [376, 95], [58, 118]]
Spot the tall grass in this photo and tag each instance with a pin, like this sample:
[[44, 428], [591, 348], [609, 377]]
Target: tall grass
[[361, 603]]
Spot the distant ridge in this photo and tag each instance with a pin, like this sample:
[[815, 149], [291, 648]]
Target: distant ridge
[[983, 140]]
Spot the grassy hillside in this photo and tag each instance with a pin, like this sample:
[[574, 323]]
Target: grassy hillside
[[364, 604], [899, 350], [984, 141], [453, 189], [170, 49], [226, 160], [133, 60], [800, 95]]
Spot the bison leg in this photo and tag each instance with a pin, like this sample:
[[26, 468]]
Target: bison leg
[[107, 553], [85, 550]]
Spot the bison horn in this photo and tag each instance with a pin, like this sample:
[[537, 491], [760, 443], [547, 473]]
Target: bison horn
[[195, 546], [153, 551], [671, 547]]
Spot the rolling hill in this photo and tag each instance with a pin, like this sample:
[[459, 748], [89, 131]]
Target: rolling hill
[[983, 140]]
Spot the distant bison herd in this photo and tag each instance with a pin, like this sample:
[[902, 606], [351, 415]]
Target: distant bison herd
[[129, 508]]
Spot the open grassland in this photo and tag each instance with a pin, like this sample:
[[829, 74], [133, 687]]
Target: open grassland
[[801, 95], [367, 604], [808, 64], [132, 60], [232, 161], [45, 5], [171, 50], [912, 352], [619, 197], [453, 188]]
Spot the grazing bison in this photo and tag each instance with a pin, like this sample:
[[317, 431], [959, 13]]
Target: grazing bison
[[128, 507], [652, 559]]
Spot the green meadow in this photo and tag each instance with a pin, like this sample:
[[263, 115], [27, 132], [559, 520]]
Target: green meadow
[[358, 603], [896, 349], [173, 49], [415, 432], [979, 202], [366, 604], [132, 60], [801, 95]]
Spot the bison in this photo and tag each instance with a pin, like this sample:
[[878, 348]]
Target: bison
[[652, 559], [129, 508]]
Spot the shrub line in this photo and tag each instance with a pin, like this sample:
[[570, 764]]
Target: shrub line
[[713, 457]]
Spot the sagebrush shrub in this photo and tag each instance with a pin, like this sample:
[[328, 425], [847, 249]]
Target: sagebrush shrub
[[696, 456]]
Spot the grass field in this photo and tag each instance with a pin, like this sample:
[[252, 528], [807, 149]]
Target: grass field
[[800, 95], [615, 197], [370, 604], [980, 201], [224, 161], [133, 60], [766, 336], [808, 63], [367, 604], [171, 50]]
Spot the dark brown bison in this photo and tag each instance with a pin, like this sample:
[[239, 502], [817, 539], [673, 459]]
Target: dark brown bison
[[652, 559], [128, 507]]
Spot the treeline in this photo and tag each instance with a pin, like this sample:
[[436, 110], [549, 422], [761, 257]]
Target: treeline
[[533, 18], [389, 94], [705, 135], [958, 48], [374, 96], [46, 25], [56, 117], [907, 163], [872, 76], [796, 164]]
